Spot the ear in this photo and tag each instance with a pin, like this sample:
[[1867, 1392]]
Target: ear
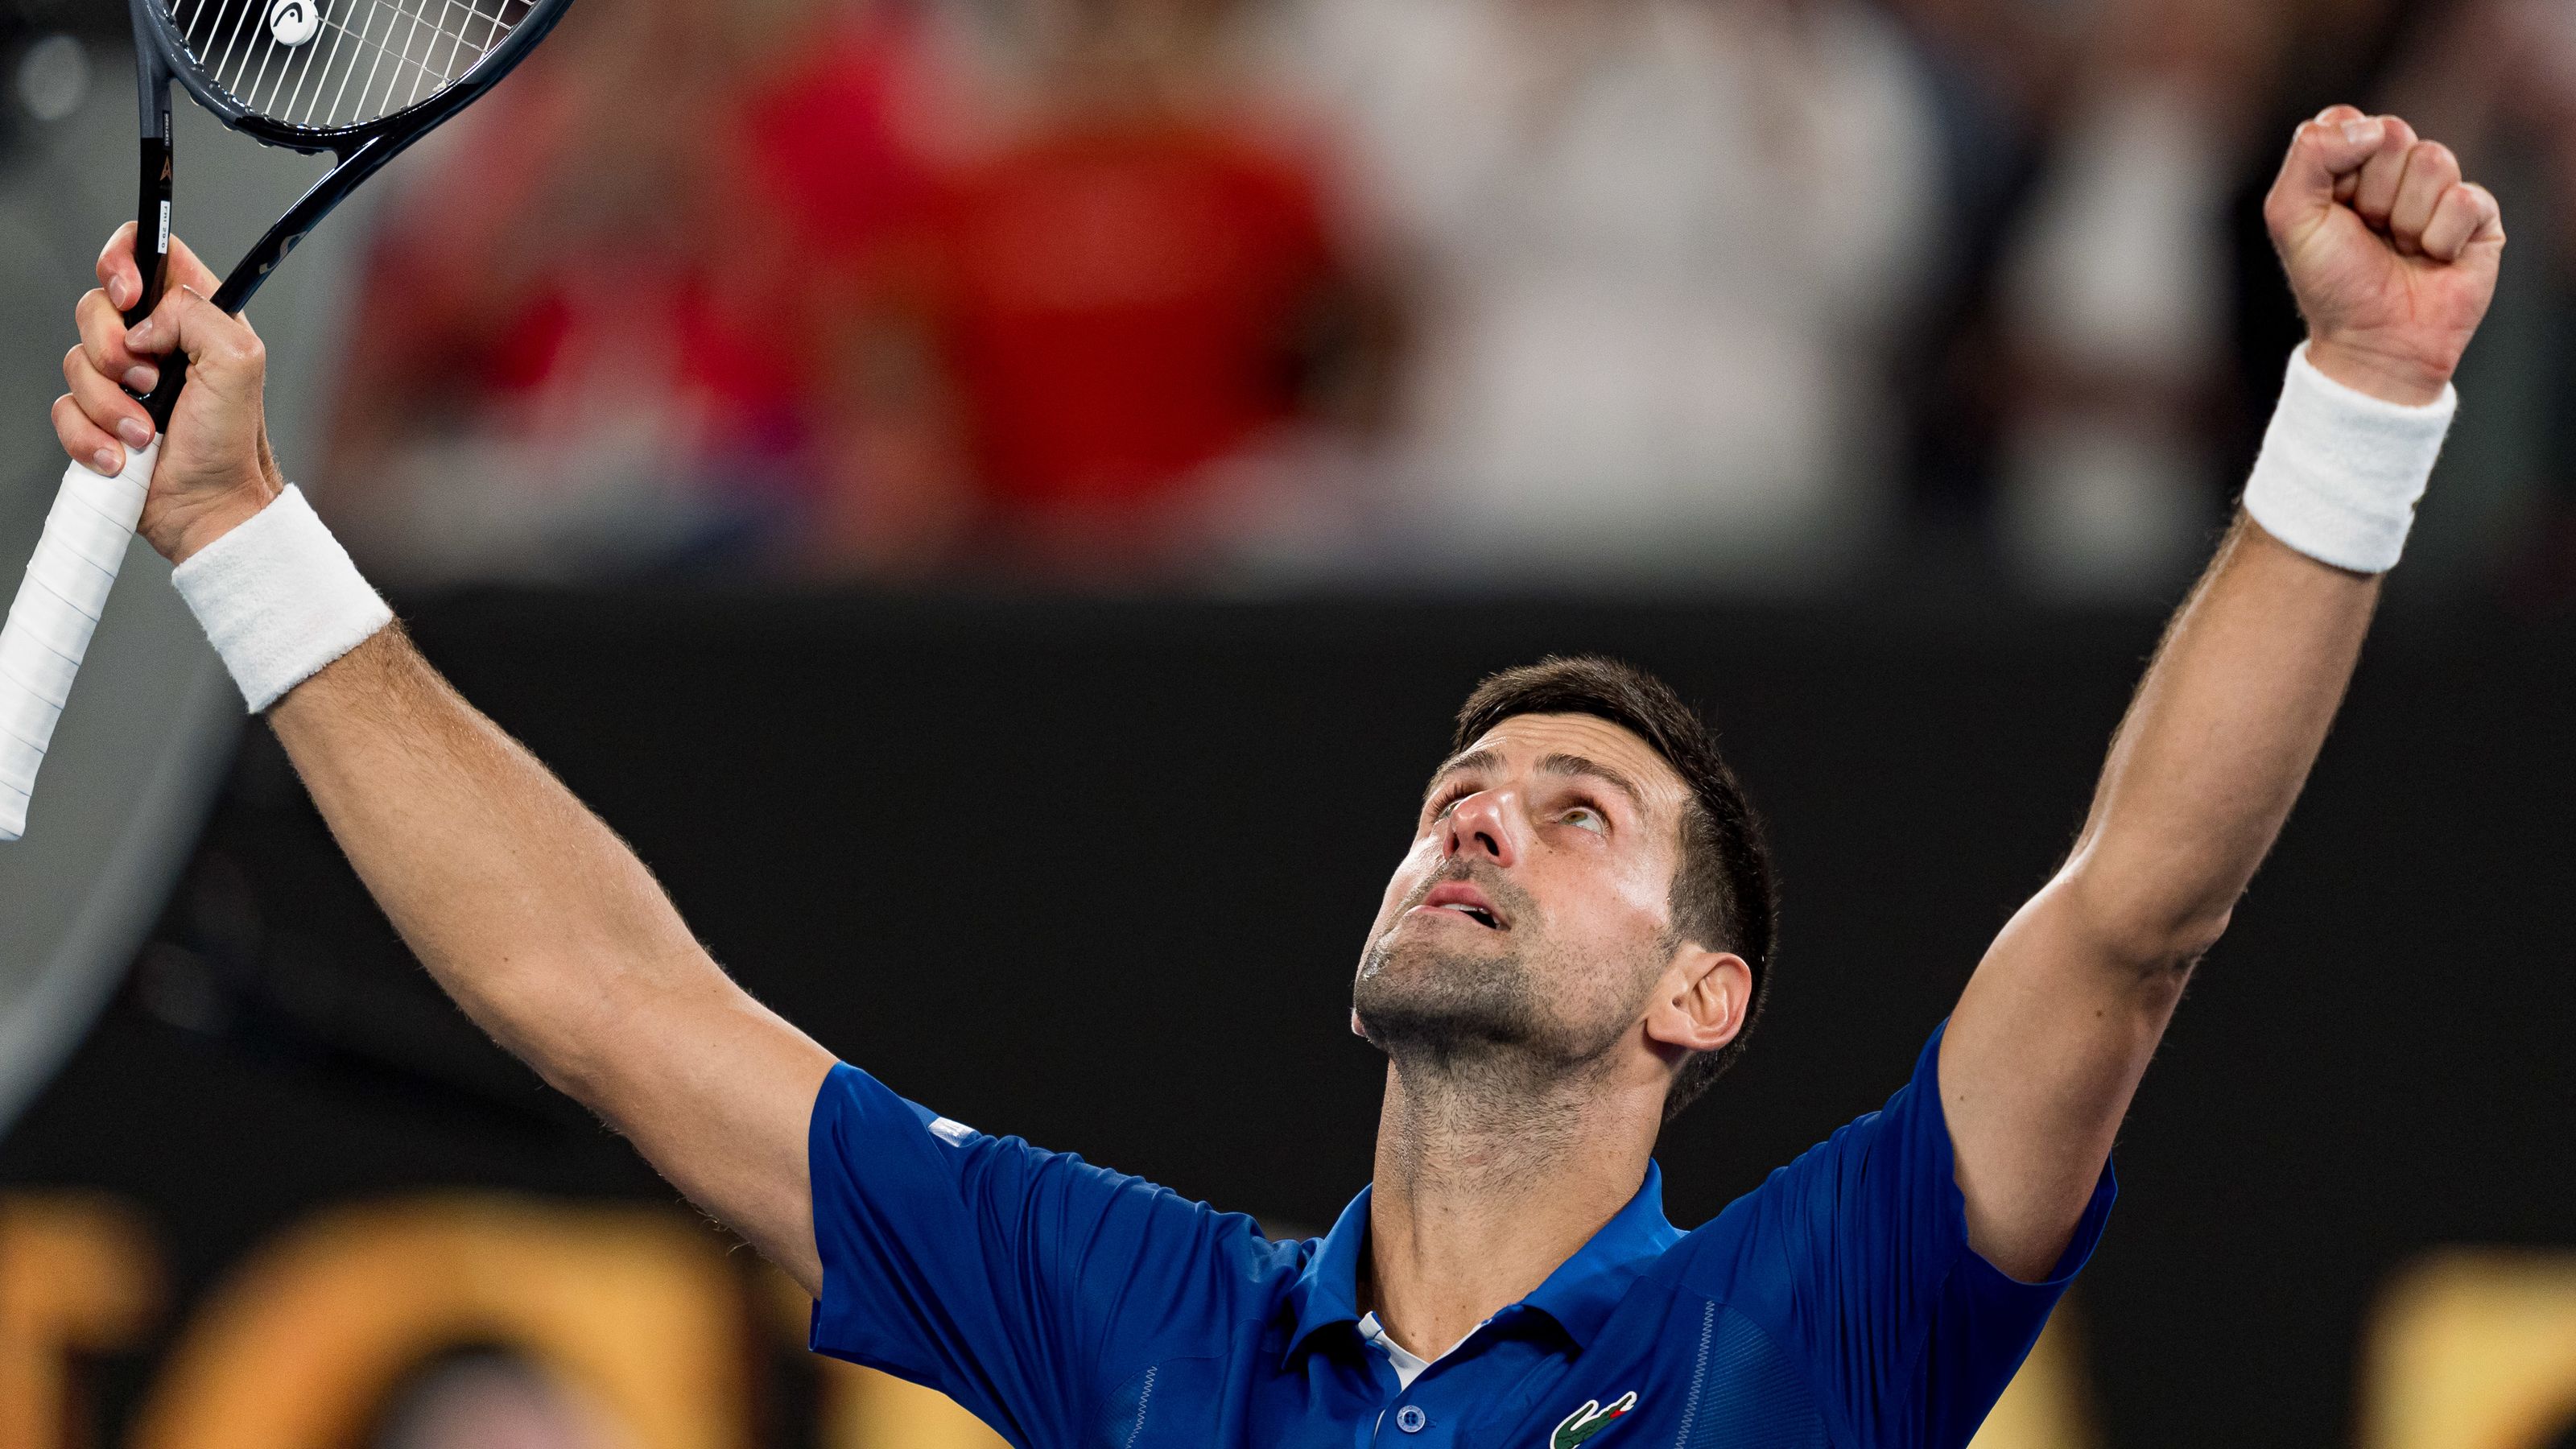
[[1700, 1004]]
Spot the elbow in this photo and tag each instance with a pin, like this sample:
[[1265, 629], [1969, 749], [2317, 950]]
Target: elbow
[[2175, 946], [557, 1033], [2155, 933]]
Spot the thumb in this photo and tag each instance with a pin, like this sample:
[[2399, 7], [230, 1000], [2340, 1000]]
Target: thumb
[[2323, 152], [220, 347]]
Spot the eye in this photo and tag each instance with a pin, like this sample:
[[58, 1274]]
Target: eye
[[1448, 800], [1584, 817]]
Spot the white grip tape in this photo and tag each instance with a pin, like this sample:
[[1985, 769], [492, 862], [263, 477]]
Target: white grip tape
[[57, 609], [2341, 471]]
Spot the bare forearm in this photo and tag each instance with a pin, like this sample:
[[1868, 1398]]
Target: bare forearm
[[2056, 1028], [2217, 743], [2393, 259], [556, 940], [528, 910]]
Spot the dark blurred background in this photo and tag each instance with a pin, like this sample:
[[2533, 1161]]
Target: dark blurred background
[[965, 484]]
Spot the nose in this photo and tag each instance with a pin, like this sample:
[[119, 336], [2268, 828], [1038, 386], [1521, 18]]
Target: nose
[[1480, 825]]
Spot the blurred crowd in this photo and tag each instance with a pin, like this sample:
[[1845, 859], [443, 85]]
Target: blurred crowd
[[1755, 296]]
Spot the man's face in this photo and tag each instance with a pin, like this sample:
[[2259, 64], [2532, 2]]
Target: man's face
[[1534, 910]]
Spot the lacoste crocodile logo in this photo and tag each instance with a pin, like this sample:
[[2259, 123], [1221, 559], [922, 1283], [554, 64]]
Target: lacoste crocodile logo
[[1591, 1419]]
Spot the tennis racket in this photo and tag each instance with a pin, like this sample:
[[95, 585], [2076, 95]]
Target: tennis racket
[[361, 79]]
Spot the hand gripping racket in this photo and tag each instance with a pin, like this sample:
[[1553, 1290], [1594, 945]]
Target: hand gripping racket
[[361, 79]]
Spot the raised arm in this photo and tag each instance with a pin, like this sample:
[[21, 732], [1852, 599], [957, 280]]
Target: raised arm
[[2393, 261], [529, 911]]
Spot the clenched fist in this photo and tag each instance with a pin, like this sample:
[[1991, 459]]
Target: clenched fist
[[214, 469], [2392, 256]]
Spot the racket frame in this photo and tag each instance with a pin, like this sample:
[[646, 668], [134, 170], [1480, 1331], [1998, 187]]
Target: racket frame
[[161, 56]]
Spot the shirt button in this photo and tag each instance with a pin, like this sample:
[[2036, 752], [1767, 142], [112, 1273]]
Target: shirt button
[[1410, 1418]]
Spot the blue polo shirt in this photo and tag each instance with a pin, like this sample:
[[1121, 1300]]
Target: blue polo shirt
[[1069, 1306]]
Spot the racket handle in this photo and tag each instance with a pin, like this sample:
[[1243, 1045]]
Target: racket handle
[[164, 397], [57, 609]]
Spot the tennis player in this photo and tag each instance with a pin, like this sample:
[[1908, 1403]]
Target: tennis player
[[1571, 949]]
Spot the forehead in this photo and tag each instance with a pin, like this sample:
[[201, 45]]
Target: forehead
[[1523, 740]]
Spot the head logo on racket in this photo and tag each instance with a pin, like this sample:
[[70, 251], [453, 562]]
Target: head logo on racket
[[294, 22]]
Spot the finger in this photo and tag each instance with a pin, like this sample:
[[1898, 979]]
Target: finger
[[2336, 116], [2466, 214], [2431, 171], [2491, 233], [116, 271], [82, 440], [102, 333], [2321, 152], [104, 403], [2381, 173]]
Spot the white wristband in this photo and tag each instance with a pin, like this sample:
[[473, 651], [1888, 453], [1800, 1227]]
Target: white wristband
[[2341, 470], [279, 598]]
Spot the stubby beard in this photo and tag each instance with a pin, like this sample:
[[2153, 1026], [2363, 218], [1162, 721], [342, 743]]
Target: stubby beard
[[1513, 1009]]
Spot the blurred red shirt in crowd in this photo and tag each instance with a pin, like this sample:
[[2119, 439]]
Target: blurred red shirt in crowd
[[1122, 305], [791, 270], [656, 236]]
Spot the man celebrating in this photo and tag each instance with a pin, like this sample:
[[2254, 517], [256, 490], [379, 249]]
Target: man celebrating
[[1572, 948]]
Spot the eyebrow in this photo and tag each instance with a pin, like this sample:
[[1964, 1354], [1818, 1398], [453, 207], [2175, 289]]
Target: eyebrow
[[1472, 760], [1553, 764], [1578, 765]]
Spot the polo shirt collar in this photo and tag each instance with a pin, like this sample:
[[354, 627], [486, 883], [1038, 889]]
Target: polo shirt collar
[[1579, 1295], [1584, 1288], [1328, 1291]]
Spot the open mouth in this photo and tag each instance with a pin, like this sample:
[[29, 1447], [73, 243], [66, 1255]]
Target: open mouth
[[1465, 900]]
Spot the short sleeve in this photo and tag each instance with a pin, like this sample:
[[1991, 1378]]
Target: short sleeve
[[1014, 1280], [1855, 1258]]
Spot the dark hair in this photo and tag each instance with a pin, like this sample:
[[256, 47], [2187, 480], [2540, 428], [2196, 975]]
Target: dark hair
[[1724, 897]]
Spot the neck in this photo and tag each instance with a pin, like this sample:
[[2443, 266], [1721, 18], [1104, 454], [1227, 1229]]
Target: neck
[[1483, 1189]]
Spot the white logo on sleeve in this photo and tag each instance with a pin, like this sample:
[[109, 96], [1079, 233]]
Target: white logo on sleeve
[[952, 1133], [294, 22]]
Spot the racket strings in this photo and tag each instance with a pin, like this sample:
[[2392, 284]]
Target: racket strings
[[331, 64]]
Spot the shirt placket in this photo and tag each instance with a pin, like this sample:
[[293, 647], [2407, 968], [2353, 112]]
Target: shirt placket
[[1431, 1413]]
